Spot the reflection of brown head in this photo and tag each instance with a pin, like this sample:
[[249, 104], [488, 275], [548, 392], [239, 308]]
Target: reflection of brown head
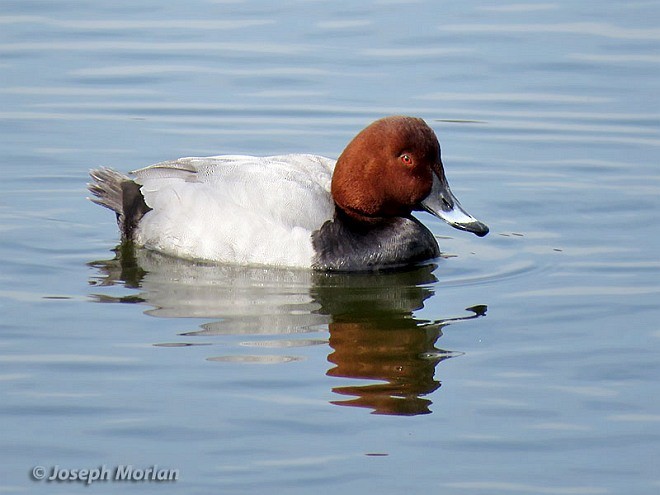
[[375, 335], [404, 359]]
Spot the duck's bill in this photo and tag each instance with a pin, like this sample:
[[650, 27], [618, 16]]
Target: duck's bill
[[442, 203]]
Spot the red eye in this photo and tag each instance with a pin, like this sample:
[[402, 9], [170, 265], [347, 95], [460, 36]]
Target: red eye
[[406, 159]]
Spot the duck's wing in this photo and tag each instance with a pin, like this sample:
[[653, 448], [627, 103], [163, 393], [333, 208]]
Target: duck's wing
[[313, 166], [293, 190], [183, 168]]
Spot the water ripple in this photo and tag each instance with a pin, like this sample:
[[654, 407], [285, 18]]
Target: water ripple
[[133, 24], [153, 47], [597, 29]]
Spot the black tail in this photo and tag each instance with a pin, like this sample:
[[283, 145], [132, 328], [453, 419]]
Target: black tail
[[120, 194]]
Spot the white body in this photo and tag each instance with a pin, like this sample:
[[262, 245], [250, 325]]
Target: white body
[[237, 209]]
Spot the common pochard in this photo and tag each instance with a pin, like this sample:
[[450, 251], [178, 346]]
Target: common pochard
[[295, 210]]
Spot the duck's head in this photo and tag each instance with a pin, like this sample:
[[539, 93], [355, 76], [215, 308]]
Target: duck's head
[[393, 167]]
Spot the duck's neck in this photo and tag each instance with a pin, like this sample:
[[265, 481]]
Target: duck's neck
[[357, 218], [357, 242]]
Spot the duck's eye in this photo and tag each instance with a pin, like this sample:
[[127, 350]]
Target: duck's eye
[[405, 158]]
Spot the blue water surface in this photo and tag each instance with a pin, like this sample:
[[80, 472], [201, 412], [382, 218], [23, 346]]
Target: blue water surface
[[526, 362]]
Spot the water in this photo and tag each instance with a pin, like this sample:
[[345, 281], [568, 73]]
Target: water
[[524, 362]]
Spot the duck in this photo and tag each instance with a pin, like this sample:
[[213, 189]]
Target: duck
[[307, 211]]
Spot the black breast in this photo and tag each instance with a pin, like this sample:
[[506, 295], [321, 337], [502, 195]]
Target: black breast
[[343, 244]]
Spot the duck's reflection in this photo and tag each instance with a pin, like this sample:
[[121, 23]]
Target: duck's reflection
[[374, 333], [375, 336]]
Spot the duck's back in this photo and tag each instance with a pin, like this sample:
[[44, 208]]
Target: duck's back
[[236, 209]]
